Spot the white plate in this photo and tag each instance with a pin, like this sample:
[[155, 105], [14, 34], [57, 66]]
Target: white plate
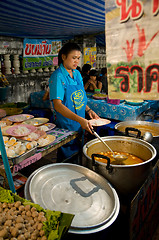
[[99, 122]]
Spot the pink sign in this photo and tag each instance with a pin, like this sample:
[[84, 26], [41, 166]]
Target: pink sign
[[27, 162]]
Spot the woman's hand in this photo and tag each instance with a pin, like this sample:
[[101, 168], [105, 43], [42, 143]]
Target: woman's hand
[[86, 125], [93, 83], [93, 115]]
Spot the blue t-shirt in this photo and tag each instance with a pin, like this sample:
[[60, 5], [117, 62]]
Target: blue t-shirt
[[57, 82]]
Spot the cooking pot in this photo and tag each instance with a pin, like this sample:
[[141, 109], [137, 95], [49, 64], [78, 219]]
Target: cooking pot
[[137, 129], [127, 179], [143, 126]]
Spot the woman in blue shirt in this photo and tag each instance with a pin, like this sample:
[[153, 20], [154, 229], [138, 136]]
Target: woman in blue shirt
[[68, 95]]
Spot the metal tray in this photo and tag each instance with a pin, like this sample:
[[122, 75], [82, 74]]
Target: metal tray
[[77, 190], [24, 156]]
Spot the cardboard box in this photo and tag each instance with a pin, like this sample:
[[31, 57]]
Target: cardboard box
[[19, 180]]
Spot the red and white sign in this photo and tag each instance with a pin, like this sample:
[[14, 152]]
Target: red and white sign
[[132, 48]]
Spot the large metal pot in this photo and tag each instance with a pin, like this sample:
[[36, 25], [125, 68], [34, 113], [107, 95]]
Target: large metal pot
[[143, 126], [127, 179]]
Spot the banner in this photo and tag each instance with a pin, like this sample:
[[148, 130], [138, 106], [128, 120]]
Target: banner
[[39, 53], [132, 49], [90, 56]]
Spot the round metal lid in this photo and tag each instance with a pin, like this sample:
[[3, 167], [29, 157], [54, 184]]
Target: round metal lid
[[77, 190]]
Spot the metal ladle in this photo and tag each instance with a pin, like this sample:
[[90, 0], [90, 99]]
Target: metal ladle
[[148, 137], [120, 157]]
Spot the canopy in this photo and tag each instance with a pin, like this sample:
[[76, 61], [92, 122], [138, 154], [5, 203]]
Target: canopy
[[55, 19]]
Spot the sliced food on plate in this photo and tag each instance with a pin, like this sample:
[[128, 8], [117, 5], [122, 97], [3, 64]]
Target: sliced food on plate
[[20, 130], [34, 135], [15, 147], [46, 140], [5, 123], [47, 127], [20, 117], [37, 121]]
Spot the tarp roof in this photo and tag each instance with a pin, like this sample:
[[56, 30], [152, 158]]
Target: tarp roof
[[55, 19]]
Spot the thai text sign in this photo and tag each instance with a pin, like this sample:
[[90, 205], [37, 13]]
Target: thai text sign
[[132, 48], [90, 56], [39, 53]]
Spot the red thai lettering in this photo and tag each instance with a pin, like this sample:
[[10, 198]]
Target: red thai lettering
[[48, 49], [28, 49], [140, 76], [43, 47], [152, 75], [134, 10], [122, 72], [129, 50], [39, 50], [33, 51], [155, 7]]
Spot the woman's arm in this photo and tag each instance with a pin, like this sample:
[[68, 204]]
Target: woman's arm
[[64, 111], [86, 85], [100, 85], [90, 82], [46, 95]]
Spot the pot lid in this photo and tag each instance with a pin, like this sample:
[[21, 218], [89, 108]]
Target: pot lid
[[77, 190]]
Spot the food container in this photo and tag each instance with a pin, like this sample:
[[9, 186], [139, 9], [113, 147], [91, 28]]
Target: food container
[[24, 156], [27, 154], [126, 179], [143, 126], [74, 189]]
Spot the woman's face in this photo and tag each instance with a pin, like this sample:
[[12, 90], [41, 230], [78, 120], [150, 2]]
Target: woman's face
[[71, 61], [93, 78]]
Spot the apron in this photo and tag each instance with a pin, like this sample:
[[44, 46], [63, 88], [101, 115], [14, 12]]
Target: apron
[[75, 99]]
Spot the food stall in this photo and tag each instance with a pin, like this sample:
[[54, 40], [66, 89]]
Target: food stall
[[43, 138], [16, 133]]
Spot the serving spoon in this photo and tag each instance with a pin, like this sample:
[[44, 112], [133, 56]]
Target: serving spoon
[[120, 157]]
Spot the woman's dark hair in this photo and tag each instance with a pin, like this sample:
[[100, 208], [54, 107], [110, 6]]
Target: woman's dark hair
[[93, 72], [66, 49], [86, 67]]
